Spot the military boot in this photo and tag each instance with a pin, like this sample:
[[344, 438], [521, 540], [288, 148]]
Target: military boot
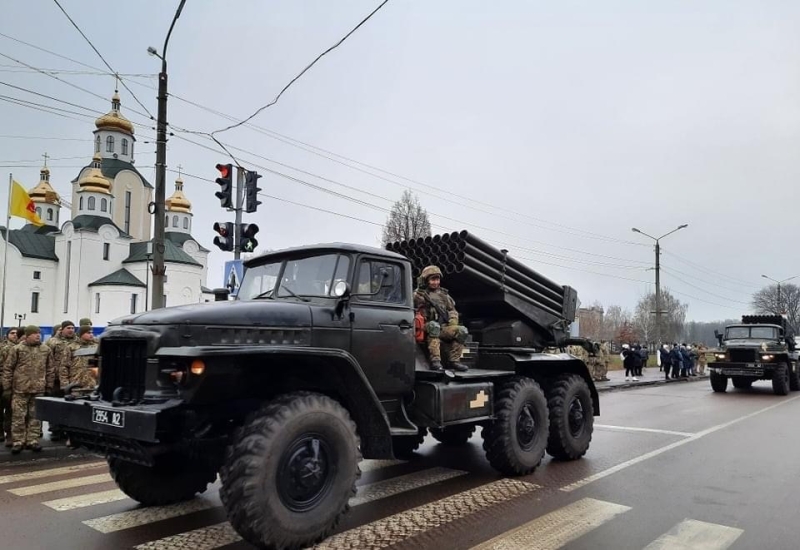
[[436, 364], [458, 366], [16, 448]]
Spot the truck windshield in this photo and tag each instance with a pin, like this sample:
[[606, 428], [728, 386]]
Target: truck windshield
[[762, 333], [308, 276]]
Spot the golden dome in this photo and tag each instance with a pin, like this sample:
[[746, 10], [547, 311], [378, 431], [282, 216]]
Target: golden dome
[[113, 120], [44, 192], [94, 179], [178, 201]]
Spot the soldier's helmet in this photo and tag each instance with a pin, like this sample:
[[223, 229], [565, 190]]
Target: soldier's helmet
[[429, 272]]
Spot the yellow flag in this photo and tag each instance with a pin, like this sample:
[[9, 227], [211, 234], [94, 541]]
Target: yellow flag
[[21, 204]]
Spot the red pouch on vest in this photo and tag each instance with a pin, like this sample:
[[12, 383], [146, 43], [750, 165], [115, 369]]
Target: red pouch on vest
[[419, 327]]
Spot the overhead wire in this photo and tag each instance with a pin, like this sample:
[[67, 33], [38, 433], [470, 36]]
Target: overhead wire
[[672, 274], [702, 268]]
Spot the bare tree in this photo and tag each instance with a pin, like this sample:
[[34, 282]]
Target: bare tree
[[673, 317], [407, 220], [613, 321], [767, 301]]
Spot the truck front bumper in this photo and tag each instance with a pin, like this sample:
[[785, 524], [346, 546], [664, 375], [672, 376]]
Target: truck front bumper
[[751, 370]]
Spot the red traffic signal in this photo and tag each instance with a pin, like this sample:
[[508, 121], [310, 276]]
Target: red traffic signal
[[224, 170], [224, 241]]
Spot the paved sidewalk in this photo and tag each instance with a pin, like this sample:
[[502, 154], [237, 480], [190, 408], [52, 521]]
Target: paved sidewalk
[[650, 377], [50, 450]]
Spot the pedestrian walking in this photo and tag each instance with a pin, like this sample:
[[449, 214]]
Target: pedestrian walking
[[27, 374], [629, 360]]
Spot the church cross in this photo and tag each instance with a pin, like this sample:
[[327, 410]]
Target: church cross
[[46, 156], [179, 170]]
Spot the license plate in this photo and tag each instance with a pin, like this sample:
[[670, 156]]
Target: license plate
[[108, 417], [750, 365]]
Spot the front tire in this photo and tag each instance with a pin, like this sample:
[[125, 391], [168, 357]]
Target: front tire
[[454, 436], [780, 381], [515, 441], [719, 382], [571, 417], [290, 471], [794, 379], [173, 478]]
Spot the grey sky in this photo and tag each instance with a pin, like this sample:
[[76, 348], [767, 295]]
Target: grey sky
[[597, 116]]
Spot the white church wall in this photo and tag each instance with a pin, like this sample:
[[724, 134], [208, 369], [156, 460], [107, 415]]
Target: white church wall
[[141, 196], [110, 302], [183, 284]]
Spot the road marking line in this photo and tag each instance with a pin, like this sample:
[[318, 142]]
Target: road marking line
[[59, 485], [91, 499], [692, 534], [557, 528], [647, 430], [699, 435], [205, 538], [13, 478], [372, 465], [142, 516], [415, 521], [400, 484]]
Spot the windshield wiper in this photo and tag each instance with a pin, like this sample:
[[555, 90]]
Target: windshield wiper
[[265, 294], [290, 291]]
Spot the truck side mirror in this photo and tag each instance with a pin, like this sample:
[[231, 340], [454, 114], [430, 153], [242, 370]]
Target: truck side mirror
[[342, 291]]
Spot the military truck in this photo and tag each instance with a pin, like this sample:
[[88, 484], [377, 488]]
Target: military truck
[[762, 347], [314, 366]]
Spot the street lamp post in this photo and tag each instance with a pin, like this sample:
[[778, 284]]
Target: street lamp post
[[159, 269], [779, 283], [147, 275], [658, 273]]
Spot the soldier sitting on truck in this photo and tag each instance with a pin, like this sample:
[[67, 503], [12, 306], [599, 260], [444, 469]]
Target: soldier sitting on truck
[[438, 311]]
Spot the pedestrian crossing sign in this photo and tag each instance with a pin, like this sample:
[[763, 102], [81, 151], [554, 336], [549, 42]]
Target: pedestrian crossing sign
[[234, 269]]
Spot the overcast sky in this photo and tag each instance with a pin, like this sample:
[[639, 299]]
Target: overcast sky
[[550, 128]]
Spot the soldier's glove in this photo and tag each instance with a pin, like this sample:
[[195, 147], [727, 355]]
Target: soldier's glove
[[6, 395]]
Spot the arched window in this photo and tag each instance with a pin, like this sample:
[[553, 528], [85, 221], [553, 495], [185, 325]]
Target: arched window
[[124, 146], [90, 203], [131, 150], [186, 223], [103, 205], [110, 144], [97, 144], [174, 221], [80, 204], [39, 212], [166, 221], [49, 214]]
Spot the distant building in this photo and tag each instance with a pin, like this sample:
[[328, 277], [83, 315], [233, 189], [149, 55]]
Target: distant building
[[590, 322], [95, 264]]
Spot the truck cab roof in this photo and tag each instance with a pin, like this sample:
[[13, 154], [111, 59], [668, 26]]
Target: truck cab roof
[[322, 248]]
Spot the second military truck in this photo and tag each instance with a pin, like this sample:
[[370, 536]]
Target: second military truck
[[314, 365]]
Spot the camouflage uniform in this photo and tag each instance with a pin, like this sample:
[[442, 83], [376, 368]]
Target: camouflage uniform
[[28, 372], [75, 368], [5, 404], [605, 357], [439, 328], [702, 360]]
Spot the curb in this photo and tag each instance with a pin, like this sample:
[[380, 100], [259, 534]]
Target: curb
[[50, 452], [648, 383]]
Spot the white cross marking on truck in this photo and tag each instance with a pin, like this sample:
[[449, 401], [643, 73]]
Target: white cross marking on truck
[[479, 401]]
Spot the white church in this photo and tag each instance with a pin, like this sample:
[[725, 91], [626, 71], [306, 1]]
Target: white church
[[96, 263]]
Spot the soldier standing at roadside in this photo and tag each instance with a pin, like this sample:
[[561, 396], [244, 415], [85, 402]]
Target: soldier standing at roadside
[[27, 374], [5, 404], [75, 368], [702, 360], [84, 322], [605, 357]]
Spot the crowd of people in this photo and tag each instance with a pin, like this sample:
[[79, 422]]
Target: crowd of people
[[31, 369], [677, 361]]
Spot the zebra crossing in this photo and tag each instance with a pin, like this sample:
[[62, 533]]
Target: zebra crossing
[[549, 531]]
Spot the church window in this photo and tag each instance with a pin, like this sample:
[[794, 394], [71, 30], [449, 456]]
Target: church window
[[66, 276], [186, 223], [97, 302], [90, 203], [174, 221], [49, 214], [37, 275], [124, 146], [131, 151], [110, 144], [80, 204], [34, 302], [106, 251], [97, 144], [127, 211], [39, 212], [103, 205], [133, 302]]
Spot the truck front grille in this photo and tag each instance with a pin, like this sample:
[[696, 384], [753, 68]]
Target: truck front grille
[[742, 355], [122, 370]]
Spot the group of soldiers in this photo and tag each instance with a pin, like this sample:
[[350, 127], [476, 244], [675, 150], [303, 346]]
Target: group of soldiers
[[31, 369], [597, 360]]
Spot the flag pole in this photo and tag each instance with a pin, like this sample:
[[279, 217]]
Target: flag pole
[[5, 257]]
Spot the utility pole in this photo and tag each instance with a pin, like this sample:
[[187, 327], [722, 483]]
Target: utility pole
[[237, 237], [658, 311], [780, 308], [159, 268]]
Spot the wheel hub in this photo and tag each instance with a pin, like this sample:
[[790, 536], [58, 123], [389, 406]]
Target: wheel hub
[[305, 473], [576, 417], [526, 428]]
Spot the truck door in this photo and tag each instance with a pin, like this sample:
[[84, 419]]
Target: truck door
[[383, 325]]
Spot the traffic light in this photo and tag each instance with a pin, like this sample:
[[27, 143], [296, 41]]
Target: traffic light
[[247, 237], [225, 181], [251, 190], [225, 238]]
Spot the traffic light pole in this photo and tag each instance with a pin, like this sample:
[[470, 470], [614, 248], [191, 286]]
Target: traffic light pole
[[159, 269], [237, 235]]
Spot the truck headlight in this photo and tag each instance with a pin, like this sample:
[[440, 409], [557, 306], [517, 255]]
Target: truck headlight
[[767, 357], [719, 355]]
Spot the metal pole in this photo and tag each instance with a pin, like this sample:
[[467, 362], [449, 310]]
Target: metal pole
[[157, 300], [658, 292], [147, 283], [237, 237], [780, 309], [5, 258]]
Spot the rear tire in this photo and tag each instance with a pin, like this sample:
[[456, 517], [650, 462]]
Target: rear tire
[[742, 383], [454, 436], [780, 381], [794, 379], [719, 382], [404, 446], [173, 478], [571, 417], [515, 441], [290, 471]]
